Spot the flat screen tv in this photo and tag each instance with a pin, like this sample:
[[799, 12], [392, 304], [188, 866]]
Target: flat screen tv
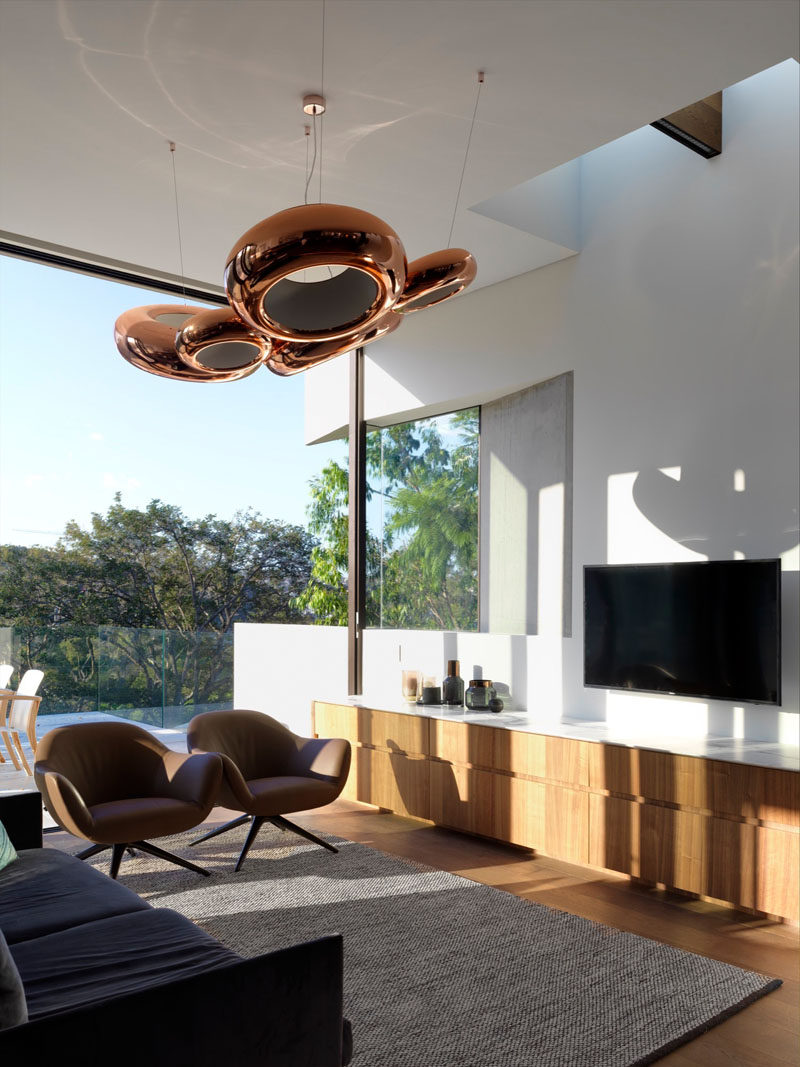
[[689, 629]]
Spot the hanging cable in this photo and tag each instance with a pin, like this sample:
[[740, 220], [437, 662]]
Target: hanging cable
[[182, 278], [322, 94], [466, 156], [310, 173]]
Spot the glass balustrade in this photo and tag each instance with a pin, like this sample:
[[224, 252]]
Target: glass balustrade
[[155, 677]]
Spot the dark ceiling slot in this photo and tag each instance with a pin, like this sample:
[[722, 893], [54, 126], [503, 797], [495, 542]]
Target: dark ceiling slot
[[698, 126]]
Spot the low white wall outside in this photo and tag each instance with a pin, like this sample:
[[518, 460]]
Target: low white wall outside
[[280, 669]]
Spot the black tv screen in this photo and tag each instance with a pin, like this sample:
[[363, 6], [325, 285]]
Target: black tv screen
[[689, 629]]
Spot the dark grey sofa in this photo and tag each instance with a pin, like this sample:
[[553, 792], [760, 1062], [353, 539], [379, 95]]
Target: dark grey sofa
[[108, 978]]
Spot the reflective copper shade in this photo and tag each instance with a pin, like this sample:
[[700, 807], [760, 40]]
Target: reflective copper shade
[[217, 340], [292, 357], [436, 277], [264, 272], [146, 337], [305, 286]]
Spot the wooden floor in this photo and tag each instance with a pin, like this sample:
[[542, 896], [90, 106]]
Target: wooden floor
[[766, 1034]]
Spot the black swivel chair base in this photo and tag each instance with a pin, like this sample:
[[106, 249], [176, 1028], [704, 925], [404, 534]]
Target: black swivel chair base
[[118, 851], [257, 822]]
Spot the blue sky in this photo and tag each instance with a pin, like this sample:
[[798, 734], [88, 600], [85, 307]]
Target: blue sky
[[78, 423]]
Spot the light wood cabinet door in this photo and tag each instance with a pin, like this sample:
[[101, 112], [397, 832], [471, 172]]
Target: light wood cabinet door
[[464, 743], [394, 731], [614, 831], [671, 845], [518, 807], [393, 781], [461, 797], [335, 720], [566, 824], [777, 865]]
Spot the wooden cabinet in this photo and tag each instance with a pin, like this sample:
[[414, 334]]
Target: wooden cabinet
[[728, 831]]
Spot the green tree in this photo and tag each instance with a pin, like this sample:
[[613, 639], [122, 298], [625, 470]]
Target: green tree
[[422, 567], [138, 573]]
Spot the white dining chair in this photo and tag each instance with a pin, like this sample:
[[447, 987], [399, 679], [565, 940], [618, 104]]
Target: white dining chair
[[18, 711]]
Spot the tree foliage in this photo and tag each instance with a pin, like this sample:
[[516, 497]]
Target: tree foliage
[[164, 591], [422, 564]]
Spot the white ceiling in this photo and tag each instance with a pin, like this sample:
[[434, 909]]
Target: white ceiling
[[92, 90]]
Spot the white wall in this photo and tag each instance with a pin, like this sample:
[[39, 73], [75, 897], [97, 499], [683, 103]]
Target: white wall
[[679, 319], [280, 669]]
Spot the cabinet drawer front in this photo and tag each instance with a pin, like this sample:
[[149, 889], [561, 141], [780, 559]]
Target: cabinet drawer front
[[461, 797], [681, 780], [778, 861], [335, 720], [614, 828], [521, 753], [672, 848], [465, 743], [566, 824], [393, 731], [393, 781], [615, 769], [518, 808]]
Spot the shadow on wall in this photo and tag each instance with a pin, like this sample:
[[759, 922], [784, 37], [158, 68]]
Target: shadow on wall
[[719, 511]]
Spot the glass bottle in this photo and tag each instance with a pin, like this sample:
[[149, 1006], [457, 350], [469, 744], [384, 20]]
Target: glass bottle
[[453, 685], [480, 692]]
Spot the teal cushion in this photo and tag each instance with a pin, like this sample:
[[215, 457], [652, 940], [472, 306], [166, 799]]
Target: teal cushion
[[7, 851]]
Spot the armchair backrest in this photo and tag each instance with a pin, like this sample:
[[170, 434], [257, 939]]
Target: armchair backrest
[[260, 746], [6, 670], [106, 761]]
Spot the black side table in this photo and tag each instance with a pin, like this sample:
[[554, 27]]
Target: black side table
[[21, 814]]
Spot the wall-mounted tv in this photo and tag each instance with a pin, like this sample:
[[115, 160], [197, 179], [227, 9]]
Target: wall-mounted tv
[[707, 629]]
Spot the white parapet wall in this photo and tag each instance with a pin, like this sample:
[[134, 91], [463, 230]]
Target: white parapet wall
[[280, 669]]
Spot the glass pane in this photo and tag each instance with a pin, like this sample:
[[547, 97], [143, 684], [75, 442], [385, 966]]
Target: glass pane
[[68, 656], [130, 668], [422, 523], [198, 675]]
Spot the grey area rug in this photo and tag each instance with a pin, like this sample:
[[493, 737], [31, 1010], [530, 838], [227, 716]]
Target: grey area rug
[[444, 972]]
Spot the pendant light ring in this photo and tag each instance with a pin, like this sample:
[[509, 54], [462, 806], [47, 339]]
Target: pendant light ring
[[436, 277], [363, 258], [146, 337], [292, 357], [217, 340]]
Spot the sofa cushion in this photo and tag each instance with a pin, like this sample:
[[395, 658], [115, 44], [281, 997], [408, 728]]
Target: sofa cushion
[[46, 890], [112, 957], [13, 1009], [7, 851]]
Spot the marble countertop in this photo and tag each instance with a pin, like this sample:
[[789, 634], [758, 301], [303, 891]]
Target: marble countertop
[[731, 749]]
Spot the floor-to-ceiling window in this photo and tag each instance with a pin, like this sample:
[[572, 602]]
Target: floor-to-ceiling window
[[140, 516]]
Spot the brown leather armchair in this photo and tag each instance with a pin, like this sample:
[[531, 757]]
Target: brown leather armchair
[[115, 784], [268, 770]]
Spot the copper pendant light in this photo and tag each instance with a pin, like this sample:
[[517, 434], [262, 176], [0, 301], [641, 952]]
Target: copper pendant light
[[263, 276], [304, 286]]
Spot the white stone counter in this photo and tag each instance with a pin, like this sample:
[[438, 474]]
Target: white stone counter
[[730, 749]]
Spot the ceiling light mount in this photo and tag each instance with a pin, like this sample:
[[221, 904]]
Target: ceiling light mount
[[314, 104]]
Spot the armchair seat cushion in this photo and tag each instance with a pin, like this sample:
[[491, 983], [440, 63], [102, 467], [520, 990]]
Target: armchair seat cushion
[[139, 818], [278, 796], [45, 891], [104, 959]]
